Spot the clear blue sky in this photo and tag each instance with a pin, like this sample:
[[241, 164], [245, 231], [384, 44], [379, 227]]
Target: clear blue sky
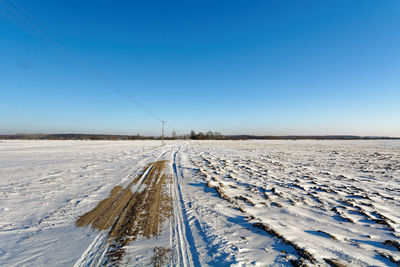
[[258, 67]]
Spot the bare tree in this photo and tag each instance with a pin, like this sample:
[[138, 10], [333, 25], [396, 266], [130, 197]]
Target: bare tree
[[192, 134], [209, 135], [217, 135]]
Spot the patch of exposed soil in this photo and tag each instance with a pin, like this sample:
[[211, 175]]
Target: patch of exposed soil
[[161, 255], [131, 214]]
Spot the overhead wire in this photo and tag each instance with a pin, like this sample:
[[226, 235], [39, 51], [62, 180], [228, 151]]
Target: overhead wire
[[27, 22]]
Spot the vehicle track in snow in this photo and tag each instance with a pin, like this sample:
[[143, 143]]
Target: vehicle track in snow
[[103, 248], [181, 238], [121, 214]]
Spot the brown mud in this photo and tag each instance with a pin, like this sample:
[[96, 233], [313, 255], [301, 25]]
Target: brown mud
[[161, 255], [129, 214]]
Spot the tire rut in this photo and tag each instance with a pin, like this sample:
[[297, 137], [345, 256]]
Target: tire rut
[[137, 210], [181, 236]]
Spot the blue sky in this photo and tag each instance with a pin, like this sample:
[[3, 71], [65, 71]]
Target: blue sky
[[258, 67]]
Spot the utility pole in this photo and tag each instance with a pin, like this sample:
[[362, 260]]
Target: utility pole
[[162, 134]]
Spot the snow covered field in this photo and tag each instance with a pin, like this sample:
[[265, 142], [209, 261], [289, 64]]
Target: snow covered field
[[239, 203]]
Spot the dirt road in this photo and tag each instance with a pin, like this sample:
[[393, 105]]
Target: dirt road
[[150, 206]]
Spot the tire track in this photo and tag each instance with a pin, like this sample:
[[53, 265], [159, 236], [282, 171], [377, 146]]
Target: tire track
[[182, 240], [122, 213], [102, 251]]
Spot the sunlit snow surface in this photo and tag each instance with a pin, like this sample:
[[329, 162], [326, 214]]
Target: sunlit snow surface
[[336, 200]]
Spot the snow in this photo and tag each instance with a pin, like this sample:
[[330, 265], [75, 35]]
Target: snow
[[234, 202]]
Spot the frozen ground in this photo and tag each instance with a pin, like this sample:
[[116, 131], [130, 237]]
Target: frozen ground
[[233, 202]]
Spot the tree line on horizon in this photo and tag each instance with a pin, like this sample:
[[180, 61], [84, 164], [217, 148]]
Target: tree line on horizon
[[191, 136], [210, 135]]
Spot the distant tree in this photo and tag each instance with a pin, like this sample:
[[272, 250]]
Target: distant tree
[[209, 135], [200, 136], [217, 135], [192, 134], [174, 135]]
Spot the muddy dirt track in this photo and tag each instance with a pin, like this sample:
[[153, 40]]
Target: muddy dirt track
[[131, 213]]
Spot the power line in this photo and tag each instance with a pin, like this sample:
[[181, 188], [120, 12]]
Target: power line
[[27, 22]]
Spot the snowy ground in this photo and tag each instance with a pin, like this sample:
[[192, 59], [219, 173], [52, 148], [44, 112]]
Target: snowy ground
[[233, 202]]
